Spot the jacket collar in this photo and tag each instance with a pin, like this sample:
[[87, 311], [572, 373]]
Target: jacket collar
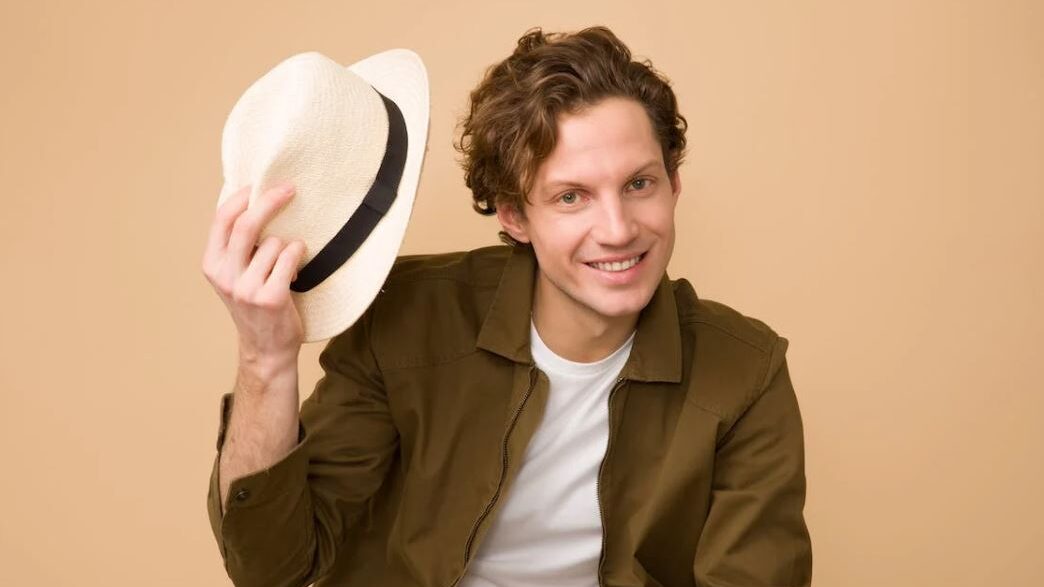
[[655, 356]]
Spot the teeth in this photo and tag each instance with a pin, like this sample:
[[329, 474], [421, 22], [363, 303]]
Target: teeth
[[617, 266]]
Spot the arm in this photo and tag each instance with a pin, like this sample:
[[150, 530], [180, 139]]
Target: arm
[[263, 427], [755, 533], [284, 524]]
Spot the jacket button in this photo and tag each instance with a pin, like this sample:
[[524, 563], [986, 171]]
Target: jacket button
[[242, 495]]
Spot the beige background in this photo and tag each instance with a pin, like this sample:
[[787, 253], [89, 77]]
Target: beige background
[[865, 177]]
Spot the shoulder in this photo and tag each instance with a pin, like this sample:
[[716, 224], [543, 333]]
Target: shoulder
[[717, 318], [477, 267], [432, 306], [721, 344]]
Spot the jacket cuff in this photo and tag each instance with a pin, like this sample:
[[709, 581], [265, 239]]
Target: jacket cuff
[[255, 499]]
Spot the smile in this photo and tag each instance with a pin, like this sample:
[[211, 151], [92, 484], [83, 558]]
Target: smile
[[618, 265]]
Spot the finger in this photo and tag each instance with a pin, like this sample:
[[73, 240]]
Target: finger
[[224, 218], [248, 226], [253, 278], [285, 269]]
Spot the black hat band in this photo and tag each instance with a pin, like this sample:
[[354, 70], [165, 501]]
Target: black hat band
[[374, 206]]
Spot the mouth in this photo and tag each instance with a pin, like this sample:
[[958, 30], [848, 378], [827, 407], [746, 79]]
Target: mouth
[[618, 266]]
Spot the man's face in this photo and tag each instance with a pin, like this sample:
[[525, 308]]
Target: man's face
[[601, 214]]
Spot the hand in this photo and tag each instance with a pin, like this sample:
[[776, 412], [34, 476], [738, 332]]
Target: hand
[[254, 281]]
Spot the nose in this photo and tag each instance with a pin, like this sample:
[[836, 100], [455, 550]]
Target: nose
[[617, 225]]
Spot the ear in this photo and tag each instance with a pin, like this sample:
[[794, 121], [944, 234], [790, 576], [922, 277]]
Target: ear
[[513, 221], [676, 184]]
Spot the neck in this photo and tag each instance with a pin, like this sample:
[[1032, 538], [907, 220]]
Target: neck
[[577, 333]]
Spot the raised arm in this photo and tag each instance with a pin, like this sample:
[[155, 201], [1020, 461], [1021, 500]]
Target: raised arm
[[285, 524], [287, 485]]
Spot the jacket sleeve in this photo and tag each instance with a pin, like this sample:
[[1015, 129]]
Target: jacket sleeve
[[755, 533], [283, 525]]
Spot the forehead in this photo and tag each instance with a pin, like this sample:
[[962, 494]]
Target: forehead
[[600, 143]]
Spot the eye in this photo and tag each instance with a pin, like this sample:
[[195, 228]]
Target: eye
[[640, 183], [568, 197]]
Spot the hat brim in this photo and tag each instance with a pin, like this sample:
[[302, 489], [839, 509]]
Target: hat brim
[[341, 299]]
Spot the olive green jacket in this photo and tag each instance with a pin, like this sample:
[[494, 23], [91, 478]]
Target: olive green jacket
[[411, 439]]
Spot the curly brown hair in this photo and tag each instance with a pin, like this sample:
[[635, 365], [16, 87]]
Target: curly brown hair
[[511, 126]]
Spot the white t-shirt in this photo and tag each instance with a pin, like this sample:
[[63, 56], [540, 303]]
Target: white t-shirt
[[549, 531]]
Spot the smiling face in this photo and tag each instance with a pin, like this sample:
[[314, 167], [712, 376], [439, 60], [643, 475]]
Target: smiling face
[[600, 216]]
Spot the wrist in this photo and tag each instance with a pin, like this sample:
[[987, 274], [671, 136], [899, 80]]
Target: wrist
[[257, 373]]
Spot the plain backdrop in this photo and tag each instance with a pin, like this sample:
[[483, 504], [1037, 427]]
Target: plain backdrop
[[866, 177]]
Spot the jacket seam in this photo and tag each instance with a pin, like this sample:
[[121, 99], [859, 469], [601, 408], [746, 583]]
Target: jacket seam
[[692, 320], [721, 417], [421, 362], [759, 391], [398, 279], [752, 395]]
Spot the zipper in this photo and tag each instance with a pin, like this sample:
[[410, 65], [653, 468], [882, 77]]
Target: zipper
[[598, 485], [503, 473]]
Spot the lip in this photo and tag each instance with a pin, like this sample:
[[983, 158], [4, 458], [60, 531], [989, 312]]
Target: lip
[[617, 258], [620, 277]]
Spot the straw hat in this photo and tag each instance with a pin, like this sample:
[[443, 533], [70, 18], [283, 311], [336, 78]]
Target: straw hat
[[352, 141]]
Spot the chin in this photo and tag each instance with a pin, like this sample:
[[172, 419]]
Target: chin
[[628, 306]]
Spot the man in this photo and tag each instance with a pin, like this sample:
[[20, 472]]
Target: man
[[553, 412]]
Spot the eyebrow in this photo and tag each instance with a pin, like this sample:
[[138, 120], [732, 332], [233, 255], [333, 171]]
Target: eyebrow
[[570, 183]]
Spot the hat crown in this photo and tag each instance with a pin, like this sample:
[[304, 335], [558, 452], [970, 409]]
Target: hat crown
[[325, 128], [313, 123]]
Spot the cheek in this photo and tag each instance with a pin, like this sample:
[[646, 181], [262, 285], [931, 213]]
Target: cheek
[[555, 244], [655, 219], [562, 234], [668, 224], [661, 218]]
